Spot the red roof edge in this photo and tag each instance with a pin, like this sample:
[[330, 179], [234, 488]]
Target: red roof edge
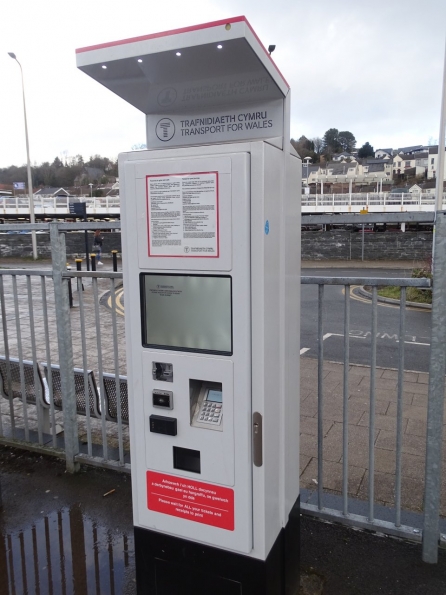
[[238, 19], [164, 34]]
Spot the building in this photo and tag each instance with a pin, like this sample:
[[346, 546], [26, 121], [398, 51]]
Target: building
[[433, 163]]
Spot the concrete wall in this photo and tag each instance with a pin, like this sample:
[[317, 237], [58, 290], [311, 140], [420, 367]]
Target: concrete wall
[[316, 245]]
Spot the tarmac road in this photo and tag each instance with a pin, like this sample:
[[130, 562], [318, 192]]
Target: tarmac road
[[418, 324]]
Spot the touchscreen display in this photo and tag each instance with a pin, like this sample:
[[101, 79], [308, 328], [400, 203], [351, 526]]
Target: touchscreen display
[[187, 312]]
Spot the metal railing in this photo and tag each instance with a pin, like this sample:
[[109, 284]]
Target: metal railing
[[344, 514], [87, 335], [111, 204], [38, 327], [65, 359], [58, 204], [373, 199]]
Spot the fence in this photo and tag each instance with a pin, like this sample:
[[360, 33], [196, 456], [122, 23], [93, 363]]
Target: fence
[[58, 202], [372, 199], [344, 514], [18, 206], [53, 376]]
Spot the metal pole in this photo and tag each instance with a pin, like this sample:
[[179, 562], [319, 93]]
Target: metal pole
[[435, 407], [86, 241], [320, 398], [63, 321], [28, 165], [362, 243], [441, 141]]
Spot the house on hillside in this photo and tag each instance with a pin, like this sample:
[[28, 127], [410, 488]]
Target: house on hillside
[[398, 165], [377, 167], [335, 168], [422, 159], [409, 150], [114, 191], [406, 164], [309, 173], [52, 192], [433, 163], [342, 156], [384, 154]]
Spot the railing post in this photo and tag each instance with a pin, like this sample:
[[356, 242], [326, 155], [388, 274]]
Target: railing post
[[63, 321], [435, 407]]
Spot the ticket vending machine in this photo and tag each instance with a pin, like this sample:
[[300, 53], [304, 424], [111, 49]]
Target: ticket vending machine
[[211, 260]]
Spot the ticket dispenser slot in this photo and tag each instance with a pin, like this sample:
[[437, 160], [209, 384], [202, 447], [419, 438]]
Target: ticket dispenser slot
[[186, 459], [206, 404]]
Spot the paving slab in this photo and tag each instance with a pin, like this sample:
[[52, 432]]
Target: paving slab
[[414, 415]]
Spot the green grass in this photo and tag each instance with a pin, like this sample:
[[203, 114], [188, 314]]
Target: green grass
[[413, 294]]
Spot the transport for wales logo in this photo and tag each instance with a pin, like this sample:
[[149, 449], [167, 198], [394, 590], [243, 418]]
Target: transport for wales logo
[[165, 129]]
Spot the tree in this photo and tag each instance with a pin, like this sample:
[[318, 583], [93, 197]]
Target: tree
[[331, 142], [335, 141], [304, 148], [47, 175], [366, 150], [57, 163], [318, 144], [347, 141]]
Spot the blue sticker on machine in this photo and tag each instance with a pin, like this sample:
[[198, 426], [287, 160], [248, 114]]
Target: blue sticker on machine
[[267, 227]]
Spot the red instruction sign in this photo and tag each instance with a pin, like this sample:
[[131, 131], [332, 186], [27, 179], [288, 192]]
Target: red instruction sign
[[192, 500]]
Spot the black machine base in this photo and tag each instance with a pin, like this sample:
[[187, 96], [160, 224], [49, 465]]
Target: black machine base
[[167, 565]]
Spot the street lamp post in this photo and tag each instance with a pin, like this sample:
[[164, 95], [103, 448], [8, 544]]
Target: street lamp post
[[307, 160], [28, 163]]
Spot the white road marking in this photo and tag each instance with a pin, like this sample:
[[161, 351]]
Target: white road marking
[[378, 336], [304, 350], [341, 335]]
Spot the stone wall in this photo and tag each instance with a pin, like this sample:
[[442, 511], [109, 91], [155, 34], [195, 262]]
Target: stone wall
[[19, 245], [347, 245], [316, 245]]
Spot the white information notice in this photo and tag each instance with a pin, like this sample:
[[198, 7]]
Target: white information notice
[[182, 211]]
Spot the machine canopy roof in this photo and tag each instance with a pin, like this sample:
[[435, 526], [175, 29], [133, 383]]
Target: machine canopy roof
[[187, 70]]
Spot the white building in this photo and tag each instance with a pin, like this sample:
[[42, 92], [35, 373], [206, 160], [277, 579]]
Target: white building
[[432, 163]]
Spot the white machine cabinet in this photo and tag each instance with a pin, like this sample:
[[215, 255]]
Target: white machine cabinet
[[211, 260]]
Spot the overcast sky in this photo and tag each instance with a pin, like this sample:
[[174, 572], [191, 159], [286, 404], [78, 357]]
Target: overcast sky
[[373, 68]]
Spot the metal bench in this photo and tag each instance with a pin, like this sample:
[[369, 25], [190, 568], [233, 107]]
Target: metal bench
[[111, 401], [79, 385], [33, 393]]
